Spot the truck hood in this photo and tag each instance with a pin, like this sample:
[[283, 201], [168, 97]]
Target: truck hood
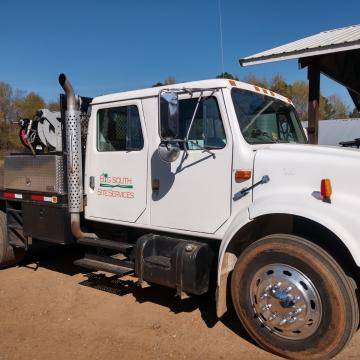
[[299, 168]]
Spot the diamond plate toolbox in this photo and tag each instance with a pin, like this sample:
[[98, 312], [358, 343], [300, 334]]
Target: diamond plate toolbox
[[42, 173]]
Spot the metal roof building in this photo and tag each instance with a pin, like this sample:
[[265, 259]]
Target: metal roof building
[[334, 53], [323, 43]]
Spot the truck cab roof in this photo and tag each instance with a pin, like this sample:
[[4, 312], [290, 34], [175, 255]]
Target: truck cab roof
[[201, 84]]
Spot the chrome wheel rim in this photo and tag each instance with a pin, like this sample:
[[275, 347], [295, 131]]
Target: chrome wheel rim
[[286, 301]]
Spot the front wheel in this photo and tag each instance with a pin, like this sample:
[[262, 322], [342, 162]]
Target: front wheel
[[293, 298]]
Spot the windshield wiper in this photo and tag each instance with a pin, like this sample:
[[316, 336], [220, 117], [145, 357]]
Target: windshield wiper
[[257, 115]]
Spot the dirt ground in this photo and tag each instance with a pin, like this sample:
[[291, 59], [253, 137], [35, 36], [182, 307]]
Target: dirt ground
[[49, 309]]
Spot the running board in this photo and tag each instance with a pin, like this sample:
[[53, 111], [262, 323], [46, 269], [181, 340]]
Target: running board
[[106, 244], [106, 263]]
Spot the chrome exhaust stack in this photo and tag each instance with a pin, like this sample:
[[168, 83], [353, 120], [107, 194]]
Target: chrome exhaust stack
[[74, 157]]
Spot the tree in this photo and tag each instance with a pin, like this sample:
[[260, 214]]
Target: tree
[[53, 106], [252, 79], [226, 75], [158, 84], [6, 95], [355, 114], [340, 109], [26, 107], [299, 96], [6, 110], [280, 86], [170, 80], [326, 111], [13, 106]]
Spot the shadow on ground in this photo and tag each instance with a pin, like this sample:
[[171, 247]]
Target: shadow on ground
[[60, 259]]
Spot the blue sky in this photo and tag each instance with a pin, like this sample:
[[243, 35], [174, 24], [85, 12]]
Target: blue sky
[[108, 46]]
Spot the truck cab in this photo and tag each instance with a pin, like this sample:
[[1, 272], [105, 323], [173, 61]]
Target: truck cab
[[127, 182], [197, 184]]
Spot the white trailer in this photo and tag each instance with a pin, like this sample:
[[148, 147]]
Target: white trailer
[[188, 185]]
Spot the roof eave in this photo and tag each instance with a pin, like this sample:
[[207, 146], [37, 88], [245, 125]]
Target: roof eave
[[254, 60]]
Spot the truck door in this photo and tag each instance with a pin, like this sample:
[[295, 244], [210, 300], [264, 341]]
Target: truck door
[[194, 192], [116, 162]]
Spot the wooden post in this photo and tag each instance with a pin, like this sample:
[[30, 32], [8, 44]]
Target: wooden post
[[314, 99]]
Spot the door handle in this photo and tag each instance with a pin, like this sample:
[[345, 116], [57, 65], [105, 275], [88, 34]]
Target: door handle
[[92, 182]]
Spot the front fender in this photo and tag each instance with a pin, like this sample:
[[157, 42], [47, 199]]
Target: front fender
[[236, 224], [339, 215], [334, 216]]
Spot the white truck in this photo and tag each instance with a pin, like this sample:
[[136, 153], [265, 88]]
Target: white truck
[[194, 184]]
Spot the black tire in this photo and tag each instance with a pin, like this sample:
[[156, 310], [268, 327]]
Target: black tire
[[9, 255], [335, 306]]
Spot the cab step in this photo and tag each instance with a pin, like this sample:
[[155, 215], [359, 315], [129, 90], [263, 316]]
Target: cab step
[[106, 263], [106, 244]]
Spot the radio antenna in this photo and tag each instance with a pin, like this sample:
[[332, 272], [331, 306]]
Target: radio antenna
[[221, 37]]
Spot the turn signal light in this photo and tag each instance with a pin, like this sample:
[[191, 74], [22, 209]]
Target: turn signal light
[[242, 175], [326, 189]]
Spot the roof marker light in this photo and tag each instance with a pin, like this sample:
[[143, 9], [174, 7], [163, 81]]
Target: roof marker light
[[257, 88], [232, 82]]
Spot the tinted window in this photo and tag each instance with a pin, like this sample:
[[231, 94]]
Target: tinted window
[[207, 129], [119, 129]]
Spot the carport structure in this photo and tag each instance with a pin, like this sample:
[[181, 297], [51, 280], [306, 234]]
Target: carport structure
[[334, 53]]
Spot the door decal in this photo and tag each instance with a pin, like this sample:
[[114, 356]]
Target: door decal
[[109, 183]]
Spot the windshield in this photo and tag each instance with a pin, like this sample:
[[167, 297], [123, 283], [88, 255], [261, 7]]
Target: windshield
[[264, 119]]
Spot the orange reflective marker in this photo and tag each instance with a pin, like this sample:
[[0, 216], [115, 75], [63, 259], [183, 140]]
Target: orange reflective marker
[[325, 188], [257, 88], [232, 82], [242, 175]]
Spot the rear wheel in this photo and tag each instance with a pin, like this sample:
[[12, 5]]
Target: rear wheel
[[293, 298], [9, 255]]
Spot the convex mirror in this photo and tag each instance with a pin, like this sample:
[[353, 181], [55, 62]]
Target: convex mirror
[[168, 151]]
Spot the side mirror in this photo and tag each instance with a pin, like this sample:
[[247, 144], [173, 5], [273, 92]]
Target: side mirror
[[169, 151], [169, 115]]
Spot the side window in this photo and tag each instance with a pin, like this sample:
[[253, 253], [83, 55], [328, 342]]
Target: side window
[[119, 129], [207, 129]]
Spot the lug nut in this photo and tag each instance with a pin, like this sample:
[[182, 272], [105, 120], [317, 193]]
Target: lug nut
[[273, 316]]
